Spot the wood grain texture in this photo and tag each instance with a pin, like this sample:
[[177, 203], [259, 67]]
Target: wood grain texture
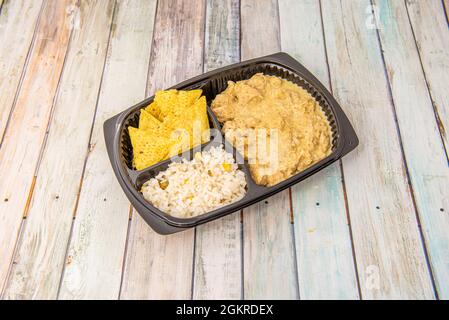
[[222, 45], [40, 258], [218, 257], [423, 148], [18, 21], [95, 258], [160, 267], [388, 247], [322, 235], [432, 37], [269, 258], [19, 153]]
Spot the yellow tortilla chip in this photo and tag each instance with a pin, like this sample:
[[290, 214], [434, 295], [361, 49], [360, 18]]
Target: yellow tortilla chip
[[148, 148], [200, 108], [188, 98], [149, 123], [154, 110], [166, 101], [174, 122], [201, 133], [194, 120], [173, 102], [201, 120]]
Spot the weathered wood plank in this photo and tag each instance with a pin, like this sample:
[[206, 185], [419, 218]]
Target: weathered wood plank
[[423, 148], [269, 261], [23, 138], [430, 29], [38, 265], [160, 267], [388, 247], [94, 261], [222, 33], [322, 235], [18, 21], [218, 256]]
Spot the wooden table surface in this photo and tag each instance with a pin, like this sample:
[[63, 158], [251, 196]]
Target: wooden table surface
[[373, 226]]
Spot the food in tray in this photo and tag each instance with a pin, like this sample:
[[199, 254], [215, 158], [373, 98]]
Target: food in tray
[[174, 122], [190, 188], [277, 125]]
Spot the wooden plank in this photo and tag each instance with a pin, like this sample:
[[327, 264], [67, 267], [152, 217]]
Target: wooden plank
[[38, 265], [23, 138], [388, 247], [18, 21], [269, 261], [430, 29], [322, 235], [160, 267], [423, 148], [218, 260], [94, 262]]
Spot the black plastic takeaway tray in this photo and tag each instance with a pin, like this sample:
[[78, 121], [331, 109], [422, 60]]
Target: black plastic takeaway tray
[[119, 148]]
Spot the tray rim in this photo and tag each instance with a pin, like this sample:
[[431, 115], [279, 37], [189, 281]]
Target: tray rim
[[347, 141]]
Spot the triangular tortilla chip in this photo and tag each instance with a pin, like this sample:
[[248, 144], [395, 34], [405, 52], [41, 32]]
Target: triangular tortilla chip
[[154, 110], [165, 101], [148, 148], [188, 98], [174, 103], [149, 123], [174, 122], [194, 120], [201, 114]]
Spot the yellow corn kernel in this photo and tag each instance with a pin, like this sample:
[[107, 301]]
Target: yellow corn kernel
[[227, 167], [163, 184]]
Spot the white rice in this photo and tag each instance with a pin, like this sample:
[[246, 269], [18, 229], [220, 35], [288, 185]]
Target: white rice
[[190, 188]]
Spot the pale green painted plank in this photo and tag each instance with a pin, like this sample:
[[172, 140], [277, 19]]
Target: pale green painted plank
[[21, 147], [325, 262], [38, 264], [160, 266], [389, 252], [269, 261], [431, 31], [424, 150], [93, 268], [218, 260]]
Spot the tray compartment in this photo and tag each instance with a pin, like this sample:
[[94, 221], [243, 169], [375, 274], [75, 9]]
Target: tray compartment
[[144, 175], [132, 119], [252, 189], [218, 84]]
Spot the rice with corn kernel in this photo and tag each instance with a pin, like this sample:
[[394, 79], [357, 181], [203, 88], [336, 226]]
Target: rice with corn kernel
[[190, 188]]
